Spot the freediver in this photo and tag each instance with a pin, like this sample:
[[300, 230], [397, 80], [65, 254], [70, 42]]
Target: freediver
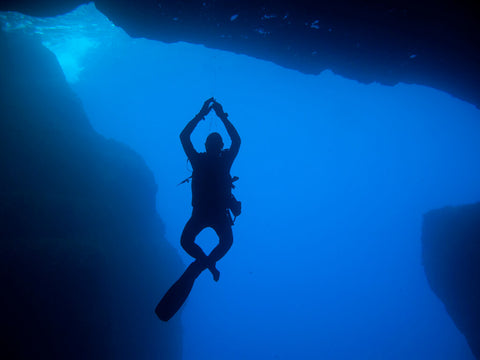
[[211, 188]]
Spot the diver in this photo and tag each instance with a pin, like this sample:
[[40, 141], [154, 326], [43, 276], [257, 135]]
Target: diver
[[211, 188]]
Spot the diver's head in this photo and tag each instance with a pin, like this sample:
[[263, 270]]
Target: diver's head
[[214, 144]]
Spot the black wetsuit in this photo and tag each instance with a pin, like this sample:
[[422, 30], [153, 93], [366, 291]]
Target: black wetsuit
[[211, 190]]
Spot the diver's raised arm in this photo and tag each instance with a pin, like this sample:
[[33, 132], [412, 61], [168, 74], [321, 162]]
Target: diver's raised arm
[[232, 132], [187, 131]]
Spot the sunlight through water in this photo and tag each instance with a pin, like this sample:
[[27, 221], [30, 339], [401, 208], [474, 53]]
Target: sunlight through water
[[335, 177]]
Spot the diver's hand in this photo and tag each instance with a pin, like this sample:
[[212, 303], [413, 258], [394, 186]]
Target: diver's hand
[[206, 108], [219, 110]]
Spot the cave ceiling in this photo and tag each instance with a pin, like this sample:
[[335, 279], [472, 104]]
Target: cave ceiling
[[432, 43]]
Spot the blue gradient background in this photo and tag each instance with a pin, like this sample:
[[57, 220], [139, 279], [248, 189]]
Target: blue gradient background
[[334, 178]]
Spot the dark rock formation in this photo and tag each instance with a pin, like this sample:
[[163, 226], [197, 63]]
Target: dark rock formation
[[433, 43], [83, 260], [68, 197], [451, 258]]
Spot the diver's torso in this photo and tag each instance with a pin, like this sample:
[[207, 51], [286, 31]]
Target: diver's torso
[[211, 182]]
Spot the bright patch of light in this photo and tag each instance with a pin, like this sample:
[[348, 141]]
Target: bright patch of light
[[72, 37], [71, 53]]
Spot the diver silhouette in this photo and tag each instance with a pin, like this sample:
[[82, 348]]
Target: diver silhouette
[[211, 188], [212, 201]]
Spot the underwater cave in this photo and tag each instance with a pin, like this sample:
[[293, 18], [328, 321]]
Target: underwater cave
[[337, 169]]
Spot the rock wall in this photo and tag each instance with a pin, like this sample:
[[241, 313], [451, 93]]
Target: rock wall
[[432, 43], [83, 258], [73, 204], [451, 258]]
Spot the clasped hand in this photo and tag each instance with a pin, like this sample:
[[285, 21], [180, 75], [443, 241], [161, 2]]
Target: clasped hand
[[209, 105]]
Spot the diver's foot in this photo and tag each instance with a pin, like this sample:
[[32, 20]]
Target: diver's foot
[[215, 272], [210, 266]]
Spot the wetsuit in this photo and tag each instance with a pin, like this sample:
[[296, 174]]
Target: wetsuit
[[211, 189]]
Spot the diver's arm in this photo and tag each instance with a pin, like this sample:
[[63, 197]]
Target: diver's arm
[[187, 131], [232, 132], [185, 136], [234, 136]]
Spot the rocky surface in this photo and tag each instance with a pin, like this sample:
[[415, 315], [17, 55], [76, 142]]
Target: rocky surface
[[433, 43], [451, 258], [83, 258]]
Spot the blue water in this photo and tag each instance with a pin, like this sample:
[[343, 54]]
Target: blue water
[[334, 178]]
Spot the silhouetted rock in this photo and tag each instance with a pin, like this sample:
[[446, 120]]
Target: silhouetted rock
[[433, 43], [451, 258], [83, 258]]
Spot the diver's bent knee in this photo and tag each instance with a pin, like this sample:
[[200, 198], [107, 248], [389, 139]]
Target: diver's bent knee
[[227, 243], [186, 241]]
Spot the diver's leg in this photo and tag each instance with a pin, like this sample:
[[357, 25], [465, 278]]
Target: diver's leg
[[193, 227], [225, 237], [225, 241], [190, 231]]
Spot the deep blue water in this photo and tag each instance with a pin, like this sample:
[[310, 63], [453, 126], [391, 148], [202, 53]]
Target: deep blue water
[[334, 178]]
